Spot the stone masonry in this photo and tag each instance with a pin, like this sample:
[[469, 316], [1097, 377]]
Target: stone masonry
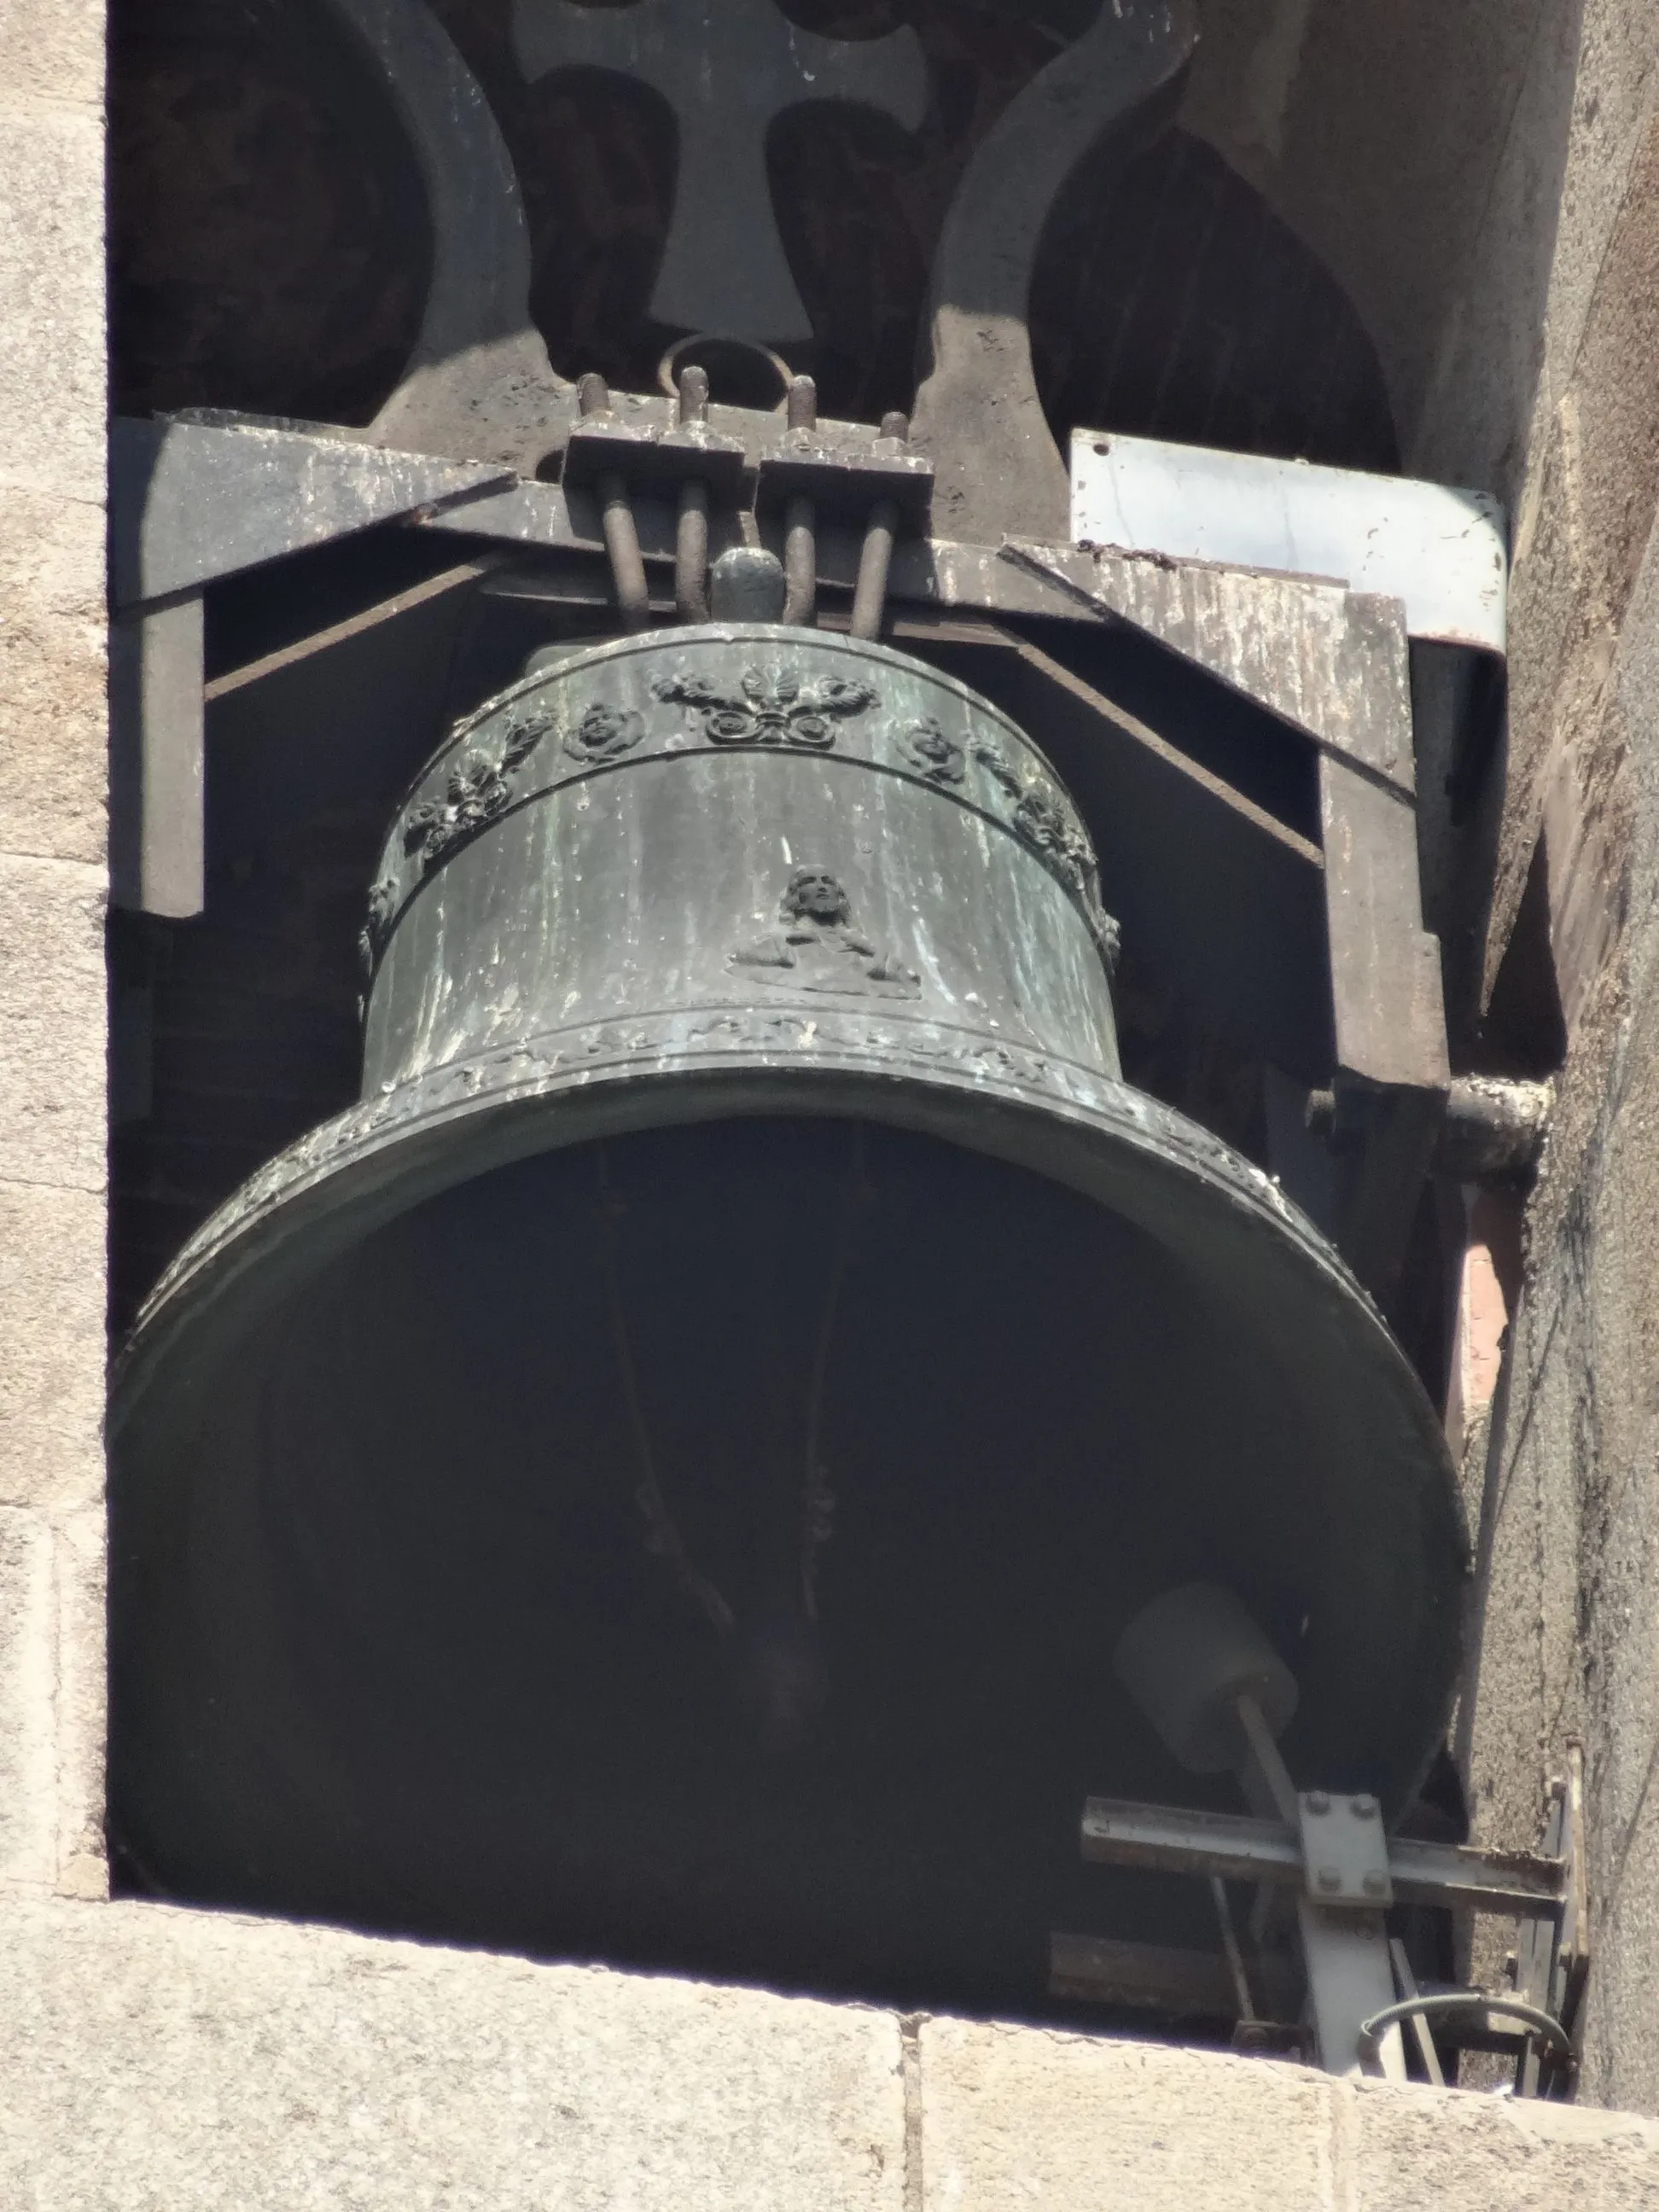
[[51, 956], [1563, 1481], [160, 2061]]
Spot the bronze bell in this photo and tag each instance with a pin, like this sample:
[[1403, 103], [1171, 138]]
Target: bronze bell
[[664, 1477]]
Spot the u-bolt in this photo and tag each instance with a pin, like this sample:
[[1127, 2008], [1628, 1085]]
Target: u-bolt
[[622, 542], [876, 555], [801, 520], [621, 538], [875, 558], [691, 529]]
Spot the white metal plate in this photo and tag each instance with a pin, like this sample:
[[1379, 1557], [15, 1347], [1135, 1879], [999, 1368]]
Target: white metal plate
[[1442, 552]]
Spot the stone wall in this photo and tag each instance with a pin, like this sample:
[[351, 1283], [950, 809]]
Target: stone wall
[[1484, 180], [173, 2060], [51, 953], [1563, 420]]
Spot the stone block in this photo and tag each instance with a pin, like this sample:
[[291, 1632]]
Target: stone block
[[52, 1345], [79, 1581], [53, 677], [51, 300], [52, 1701], [168, 2059], [155, 2059], [52, 53], [1017, 2117], [28, 1677], [1402, 2149], [52, 1016]]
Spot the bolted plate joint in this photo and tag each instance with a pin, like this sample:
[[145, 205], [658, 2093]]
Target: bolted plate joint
[[1344, 1849]]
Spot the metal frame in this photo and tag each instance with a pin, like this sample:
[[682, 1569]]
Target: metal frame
[[197, 501], [1350, 1978]]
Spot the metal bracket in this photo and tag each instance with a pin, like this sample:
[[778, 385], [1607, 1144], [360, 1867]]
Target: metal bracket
[[156, 835], [1345, 1872], [194, 501]]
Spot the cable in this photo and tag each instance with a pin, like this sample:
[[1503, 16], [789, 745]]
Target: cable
[[1542, 2023]]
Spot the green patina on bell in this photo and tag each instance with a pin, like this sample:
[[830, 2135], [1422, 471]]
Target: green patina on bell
[[662, 1479]]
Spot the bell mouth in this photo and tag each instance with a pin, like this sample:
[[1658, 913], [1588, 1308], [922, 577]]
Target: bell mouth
[[399, 1639]]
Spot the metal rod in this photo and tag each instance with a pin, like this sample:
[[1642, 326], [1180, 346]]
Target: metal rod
[[694, 395], [801, 404], [622, 542], [1230, 1945], [800, 561], [870, 593], [691, 552], [1406, 1982], [1264, 1751]]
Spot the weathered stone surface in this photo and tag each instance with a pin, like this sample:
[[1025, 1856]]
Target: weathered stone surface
[[52, 1016], [53, 678], [1569, 1640], [52, 1345], [169, 2060], [1378, 133], [164, 2059], [1015, 2117], [80, 1541], [51, 1701], [53, 755], [51, 300], [1591, 513], [1490, 381], [29, 1673], [1399, 2150], [51, 52]]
